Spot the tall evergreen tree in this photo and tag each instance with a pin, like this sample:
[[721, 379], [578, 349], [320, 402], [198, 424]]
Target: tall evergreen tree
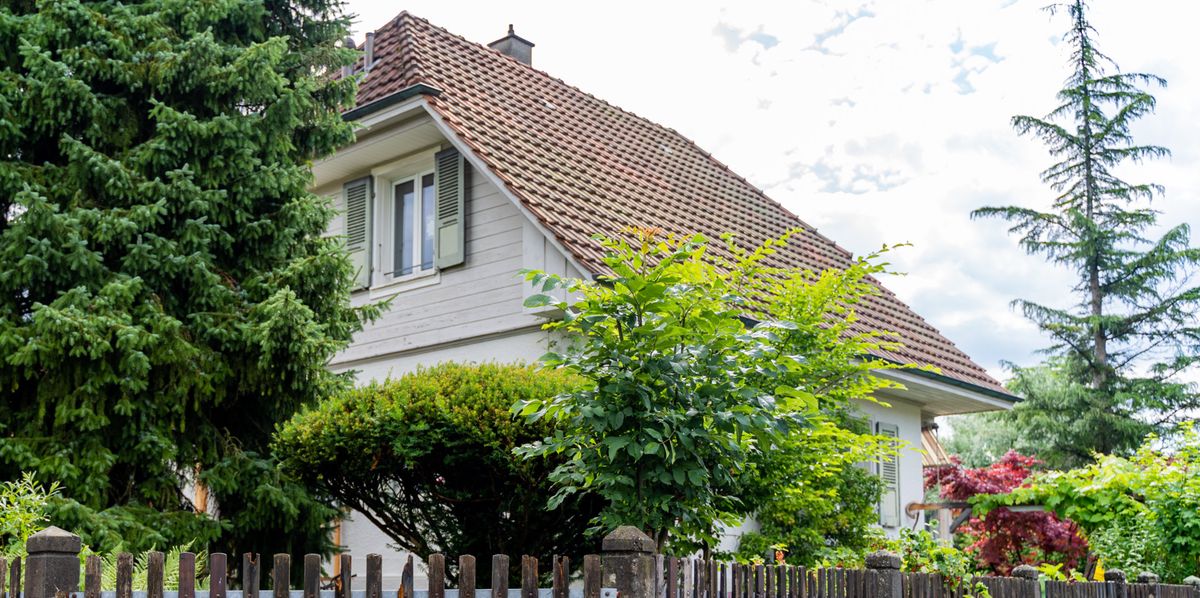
[[1123, 347], [166, 295]]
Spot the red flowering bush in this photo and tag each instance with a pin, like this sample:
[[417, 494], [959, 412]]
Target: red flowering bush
[[1005, 538]]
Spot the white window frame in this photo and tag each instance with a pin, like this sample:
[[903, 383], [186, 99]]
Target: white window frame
[[387, 176], [388, 246]]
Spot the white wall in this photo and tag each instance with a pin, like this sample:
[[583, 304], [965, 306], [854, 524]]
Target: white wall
[[907, 416]]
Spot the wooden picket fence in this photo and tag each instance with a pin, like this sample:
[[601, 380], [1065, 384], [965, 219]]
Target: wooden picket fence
[[674, 578], [687, 578], [250, 581]]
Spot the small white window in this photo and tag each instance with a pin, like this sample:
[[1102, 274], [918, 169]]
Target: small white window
[[413, 225]]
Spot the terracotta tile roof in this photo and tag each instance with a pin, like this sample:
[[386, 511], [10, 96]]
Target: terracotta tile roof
[[583, 166]]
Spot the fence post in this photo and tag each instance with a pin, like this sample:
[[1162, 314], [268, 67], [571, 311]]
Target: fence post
[[628, 562], [53, 563], [888, 582], [1028, 576]]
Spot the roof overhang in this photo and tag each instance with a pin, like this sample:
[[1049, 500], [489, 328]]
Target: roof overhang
[[938, 394], [393, 130]]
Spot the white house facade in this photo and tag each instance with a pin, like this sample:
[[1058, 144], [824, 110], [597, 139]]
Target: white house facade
[[470, 165]]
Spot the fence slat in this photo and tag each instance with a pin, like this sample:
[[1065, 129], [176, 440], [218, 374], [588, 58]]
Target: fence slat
[[801, 583], [312, 575], [374, 575], [437, 576], [466, 576], [529, 576], [124, 575], [91, 577], [154, 574], [591, 576], [685, 585], [218, 575], [714, 573], [722, 580], [187, 576], [251, 575], [345, 578], [281, 576], [672, 577], [769, 574], [500, 576], [406, 578], [560, 576]]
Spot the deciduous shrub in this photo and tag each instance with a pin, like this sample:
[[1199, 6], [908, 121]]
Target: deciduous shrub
[[428, 458]]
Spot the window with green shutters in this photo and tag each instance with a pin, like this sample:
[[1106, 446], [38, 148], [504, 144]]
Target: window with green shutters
[[421, 221], [889, 473]]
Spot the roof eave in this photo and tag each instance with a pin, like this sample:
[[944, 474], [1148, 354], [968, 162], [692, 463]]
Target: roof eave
[[390, 100]]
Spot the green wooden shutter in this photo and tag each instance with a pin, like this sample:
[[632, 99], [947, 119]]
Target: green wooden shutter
[[358, 194], [889, 474], [450, 172]]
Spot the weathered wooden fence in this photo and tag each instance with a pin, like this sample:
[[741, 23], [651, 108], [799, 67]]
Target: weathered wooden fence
[[627, 568]]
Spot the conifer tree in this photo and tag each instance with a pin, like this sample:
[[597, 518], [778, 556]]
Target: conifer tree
[[1122, 350], [166, 294]]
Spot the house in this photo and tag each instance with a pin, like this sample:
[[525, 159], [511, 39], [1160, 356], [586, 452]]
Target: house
[[470, 165]]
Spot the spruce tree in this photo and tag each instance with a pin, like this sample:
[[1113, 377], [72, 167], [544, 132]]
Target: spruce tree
[[1123, 349], [166, 294]]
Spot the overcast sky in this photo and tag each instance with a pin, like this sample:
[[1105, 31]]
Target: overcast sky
[[876, 122]]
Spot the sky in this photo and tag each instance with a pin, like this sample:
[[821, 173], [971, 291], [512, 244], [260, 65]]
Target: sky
[[876, 122]]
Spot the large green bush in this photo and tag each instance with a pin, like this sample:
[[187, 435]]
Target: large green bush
[[429, 459]]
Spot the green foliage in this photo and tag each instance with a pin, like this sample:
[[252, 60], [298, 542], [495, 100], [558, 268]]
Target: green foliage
[[813, 498], [920, 552], [1139, 513], [683, 400], [108, 569], [166, 294], [1125, 349], [429, 458], [23, 512]]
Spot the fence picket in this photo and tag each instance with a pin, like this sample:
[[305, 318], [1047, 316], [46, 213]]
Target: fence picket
[[529, 576], [562, 575], [672, 577], [187, 576], [406, 578], [281, 576], [312, 576], [343, 586], [375, 576], [91, 577], [686, 584], [250, 576], [466, 576], [591, 576], [499, 576], [14, 578], [437, 575], [713, 581], [769, 574], [124, 575]]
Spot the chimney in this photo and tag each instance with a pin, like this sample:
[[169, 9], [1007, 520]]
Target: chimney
[[514, 46], [369, 51], [349, 68]]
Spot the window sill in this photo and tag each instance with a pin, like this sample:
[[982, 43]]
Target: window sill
[[396, 286]]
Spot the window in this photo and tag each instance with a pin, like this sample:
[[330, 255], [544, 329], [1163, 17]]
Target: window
[[414, 225], [889, 474], [415, 228]]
